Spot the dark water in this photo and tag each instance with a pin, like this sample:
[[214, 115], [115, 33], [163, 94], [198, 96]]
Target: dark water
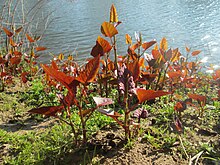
[[76, 24]]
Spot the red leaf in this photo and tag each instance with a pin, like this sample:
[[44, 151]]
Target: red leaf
[[48, 111], [89, 73], [102, 101], [145, 95], [7, 32]]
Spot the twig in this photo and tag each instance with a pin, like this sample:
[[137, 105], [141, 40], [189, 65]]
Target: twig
[[181, 142]]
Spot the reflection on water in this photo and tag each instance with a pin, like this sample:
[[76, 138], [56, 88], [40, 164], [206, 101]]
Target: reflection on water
[[77, 23]]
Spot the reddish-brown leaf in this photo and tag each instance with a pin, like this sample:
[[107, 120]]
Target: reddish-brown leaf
[[199, 98], [100, 101], [174, 74], [180, 106], [40, 48], [105, 44], [89, 73], [24, 77], [17, 54], [134, 67], [59, 76], [48, 111], [2, 61], [18, 30], [108, 29], [196, 52], [145, 95], [8, 32], [147, 45], [15, 60], [30, 39]]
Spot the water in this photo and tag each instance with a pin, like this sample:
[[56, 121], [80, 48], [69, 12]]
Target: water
[[76, 24]]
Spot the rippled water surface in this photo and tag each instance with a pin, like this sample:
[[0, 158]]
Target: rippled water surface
[[76, 24]]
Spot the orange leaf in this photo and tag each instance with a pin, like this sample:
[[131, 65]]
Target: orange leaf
[[180, 106], [12, 43], [91, 70], [128, 39], [40, 48], [18, 30], [145, 95], [113, 14], [102, 46], [187, 49], [108, 29], [100, 101], [15, 60], [29, 38], [61, 56], [164, 44], [196, 52], [7, 32], [147, 45], [48, 111]]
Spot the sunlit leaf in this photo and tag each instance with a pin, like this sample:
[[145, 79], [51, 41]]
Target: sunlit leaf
[[8, 32], [147, 45], [100, 101], [39, 48], [48, 111], [108, 29], [18, 30], [128, 39], [196, 52], [70, 57], [30, 39], [164, 44], [113, 14], [89, 73], [61, 56], [175, 55], [85, 112], [145, 95]]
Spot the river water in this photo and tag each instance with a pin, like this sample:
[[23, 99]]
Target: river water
[[76, 24]]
